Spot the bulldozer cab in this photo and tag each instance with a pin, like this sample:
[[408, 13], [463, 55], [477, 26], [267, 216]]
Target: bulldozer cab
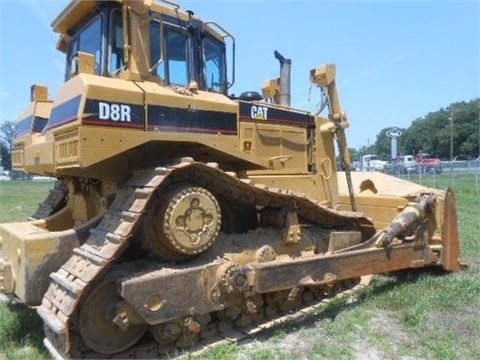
[[159, 44]]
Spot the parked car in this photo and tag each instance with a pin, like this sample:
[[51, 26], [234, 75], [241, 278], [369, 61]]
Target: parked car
[[20, 175]]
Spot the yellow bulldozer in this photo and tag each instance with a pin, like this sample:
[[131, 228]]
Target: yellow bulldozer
[[181, 210]]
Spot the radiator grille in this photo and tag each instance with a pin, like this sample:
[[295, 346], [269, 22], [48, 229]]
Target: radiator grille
[[18, 158], [66, 148]]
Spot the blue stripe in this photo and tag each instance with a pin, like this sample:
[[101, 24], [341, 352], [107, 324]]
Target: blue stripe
[[64, 113], [24, 126]]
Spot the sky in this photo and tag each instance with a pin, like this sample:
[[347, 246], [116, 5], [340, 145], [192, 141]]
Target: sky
[[396, 61]]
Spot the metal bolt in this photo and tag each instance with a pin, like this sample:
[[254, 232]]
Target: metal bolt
[[251, 308], [240, 280]]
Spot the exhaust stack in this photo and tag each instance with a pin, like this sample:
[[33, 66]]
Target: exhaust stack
[[285, 65]]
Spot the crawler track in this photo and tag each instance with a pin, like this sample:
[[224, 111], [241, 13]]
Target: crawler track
[[69, 285], [53, 202], [227, 334]]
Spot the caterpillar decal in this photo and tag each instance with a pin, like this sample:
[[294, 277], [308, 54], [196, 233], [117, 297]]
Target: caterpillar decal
[[262, 112]]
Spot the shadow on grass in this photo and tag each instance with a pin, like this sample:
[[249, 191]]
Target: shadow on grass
[[337, 306], [401, 277], [20, 326]]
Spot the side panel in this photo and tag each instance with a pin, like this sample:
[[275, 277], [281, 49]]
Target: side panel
[[319, 182], [285, 147]]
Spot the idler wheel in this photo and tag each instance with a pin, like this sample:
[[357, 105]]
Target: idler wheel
[[185, 222], [99, 323]]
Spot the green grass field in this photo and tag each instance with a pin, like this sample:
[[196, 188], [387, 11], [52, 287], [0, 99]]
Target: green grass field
[[19, 199], [426, 314], [21, 330]]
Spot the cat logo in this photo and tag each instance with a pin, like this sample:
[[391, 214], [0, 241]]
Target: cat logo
[[259, 112]]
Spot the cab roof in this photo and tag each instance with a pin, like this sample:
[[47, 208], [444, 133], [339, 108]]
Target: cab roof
[[77, 10], [72, 15]]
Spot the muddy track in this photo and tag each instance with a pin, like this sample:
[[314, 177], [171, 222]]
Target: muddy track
[[69, 285], [53, 202]]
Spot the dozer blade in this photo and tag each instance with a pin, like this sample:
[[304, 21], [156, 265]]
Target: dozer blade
[[451, 243]]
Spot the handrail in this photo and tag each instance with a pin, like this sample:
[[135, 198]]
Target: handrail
[[173, 4]]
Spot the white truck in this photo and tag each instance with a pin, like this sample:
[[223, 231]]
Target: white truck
[[373, 163], [403, 164]]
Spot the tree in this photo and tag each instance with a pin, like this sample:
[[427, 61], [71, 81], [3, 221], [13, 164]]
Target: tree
[[466, 128], [435, 133], [7, 134]]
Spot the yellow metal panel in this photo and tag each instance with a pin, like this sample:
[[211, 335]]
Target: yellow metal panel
[[26, 246], [284, 146], [72, 14], [303, 184], [157, 94], [43, 109], [39, 157], [384, 184]]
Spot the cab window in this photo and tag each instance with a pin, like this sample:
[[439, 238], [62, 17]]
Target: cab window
[[116, 43], [214, 65], [175, 65], [177, 57], [156, 67], [89, 40]]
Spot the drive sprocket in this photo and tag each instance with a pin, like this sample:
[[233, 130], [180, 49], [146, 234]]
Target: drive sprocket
[[183, 223]]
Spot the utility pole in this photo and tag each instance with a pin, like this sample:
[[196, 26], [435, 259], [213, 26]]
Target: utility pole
[[393, 134], [451, 138], [452, 112]]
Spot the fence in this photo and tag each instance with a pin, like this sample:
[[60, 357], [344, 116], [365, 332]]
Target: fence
[[452, 173]]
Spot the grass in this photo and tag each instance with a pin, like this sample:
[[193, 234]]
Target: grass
[[21, 330], [461, 183], [425, 314], [21, 333], [19, 199]]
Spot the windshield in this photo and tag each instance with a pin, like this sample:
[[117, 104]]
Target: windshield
[[178, 57], [88, 40]]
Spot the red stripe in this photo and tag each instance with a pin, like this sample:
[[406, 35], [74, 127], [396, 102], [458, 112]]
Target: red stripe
[[283, 121], [118, 124], [57, 124], [189, 129]]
